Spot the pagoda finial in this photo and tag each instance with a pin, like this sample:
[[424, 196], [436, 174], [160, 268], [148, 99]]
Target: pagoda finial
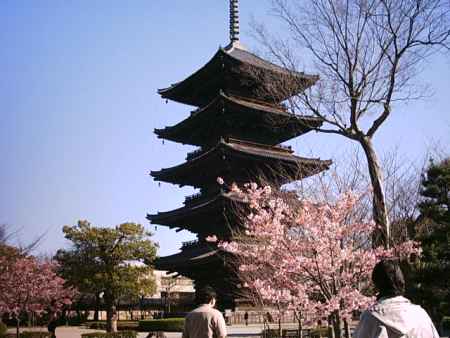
[[234, 21]]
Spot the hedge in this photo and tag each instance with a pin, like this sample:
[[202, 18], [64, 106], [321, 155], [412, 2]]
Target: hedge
[[121, 334], [445, 326], [125, 325], [274, 333], [319, 332], [165, 325], [3, 329], [35, 334]]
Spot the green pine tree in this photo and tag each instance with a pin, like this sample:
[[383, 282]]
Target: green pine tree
[[433, 275], [112, 262]]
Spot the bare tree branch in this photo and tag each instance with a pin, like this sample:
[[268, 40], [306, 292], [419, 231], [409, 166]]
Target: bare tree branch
[[368, 54]]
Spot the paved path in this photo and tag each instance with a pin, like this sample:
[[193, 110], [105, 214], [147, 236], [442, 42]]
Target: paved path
[[234, 331]]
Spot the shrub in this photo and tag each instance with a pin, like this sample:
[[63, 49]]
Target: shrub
[[166, 325], [3, 329], [35, 334], [445, 326], [319, 332], [313, 333], [125, 325], [270, 333], [121, 334]]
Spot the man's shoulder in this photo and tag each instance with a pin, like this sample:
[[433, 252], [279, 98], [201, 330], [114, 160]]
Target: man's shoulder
[[217, 312], [205, 309]]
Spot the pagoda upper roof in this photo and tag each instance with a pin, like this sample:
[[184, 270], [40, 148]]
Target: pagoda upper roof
[[202, 216], [241, 162], [235, 70], [237, 117]]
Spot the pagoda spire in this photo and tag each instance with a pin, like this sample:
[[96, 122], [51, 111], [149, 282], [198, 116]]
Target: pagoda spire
[[234, 21]]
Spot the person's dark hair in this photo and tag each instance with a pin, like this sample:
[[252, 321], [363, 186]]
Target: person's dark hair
[[388, 279], [205, 295]]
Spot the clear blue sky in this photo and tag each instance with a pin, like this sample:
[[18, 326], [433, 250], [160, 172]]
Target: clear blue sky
[[78, 106]]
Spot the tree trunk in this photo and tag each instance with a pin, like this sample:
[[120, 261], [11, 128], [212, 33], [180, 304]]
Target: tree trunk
[[97, 307], [330, 331], [17, 327], [111, 317], [298, 316], [300, 328], [346, 329], [280, 331], [337, 325], [380, 215], [330, 326]]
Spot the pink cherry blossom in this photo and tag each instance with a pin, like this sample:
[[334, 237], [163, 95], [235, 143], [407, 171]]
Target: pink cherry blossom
[[312, 257], [30, 286], [211, 239]]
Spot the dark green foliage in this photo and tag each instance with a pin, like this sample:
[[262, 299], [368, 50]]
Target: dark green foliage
[[432, 275], [121, 334], [166, 325], [446, 323], [319, 332], [126, 325], [313, 333], [3, 329], [270, 333], [35, 334], [103, 261]]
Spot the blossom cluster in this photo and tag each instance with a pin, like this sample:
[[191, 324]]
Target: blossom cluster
[[314, 257], [30, 286]]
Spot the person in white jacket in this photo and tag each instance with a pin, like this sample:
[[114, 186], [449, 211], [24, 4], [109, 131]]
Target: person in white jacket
[[393, 316]]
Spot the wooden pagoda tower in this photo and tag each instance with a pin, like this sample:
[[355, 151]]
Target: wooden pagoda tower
[[238, 128]]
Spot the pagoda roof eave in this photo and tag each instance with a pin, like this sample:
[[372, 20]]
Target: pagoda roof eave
[[187, 258], [238, 149], [165, 92], [172, 218], [246, 57], [181, 91], [192, 129]]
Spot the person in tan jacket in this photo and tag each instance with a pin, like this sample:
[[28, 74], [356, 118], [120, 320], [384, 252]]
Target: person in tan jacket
[[205, 321]]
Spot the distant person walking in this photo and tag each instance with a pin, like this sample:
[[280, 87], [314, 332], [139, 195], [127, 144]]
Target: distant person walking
[[205, 321], [393, 316], [246, 318]]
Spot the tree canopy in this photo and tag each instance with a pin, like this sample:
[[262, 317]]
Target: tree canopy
[[433, 274], [311, 256], [368, 55], [112, 262]]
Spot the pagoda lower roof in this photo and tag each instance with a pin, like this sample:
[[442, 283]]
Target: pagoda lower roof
[[241, 162], [206, 265], [237, 117], [235, 70], [205, 217], [187, 258]]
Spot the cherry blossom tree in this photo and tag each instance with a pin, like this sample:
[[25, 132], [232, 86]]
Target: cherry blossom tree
[[28, 286], [313, 257]]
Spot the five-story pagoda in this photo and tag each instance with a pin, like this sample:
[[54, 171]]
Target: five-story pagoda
[[238, 128]]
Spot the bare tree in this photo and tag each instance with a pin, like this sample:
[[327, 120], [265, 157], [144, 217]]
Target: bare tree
[[401, 180], [11, 236], [368, 54]]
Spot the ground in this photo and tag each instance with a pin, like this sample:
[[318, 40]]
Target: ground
[[235, 331]]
